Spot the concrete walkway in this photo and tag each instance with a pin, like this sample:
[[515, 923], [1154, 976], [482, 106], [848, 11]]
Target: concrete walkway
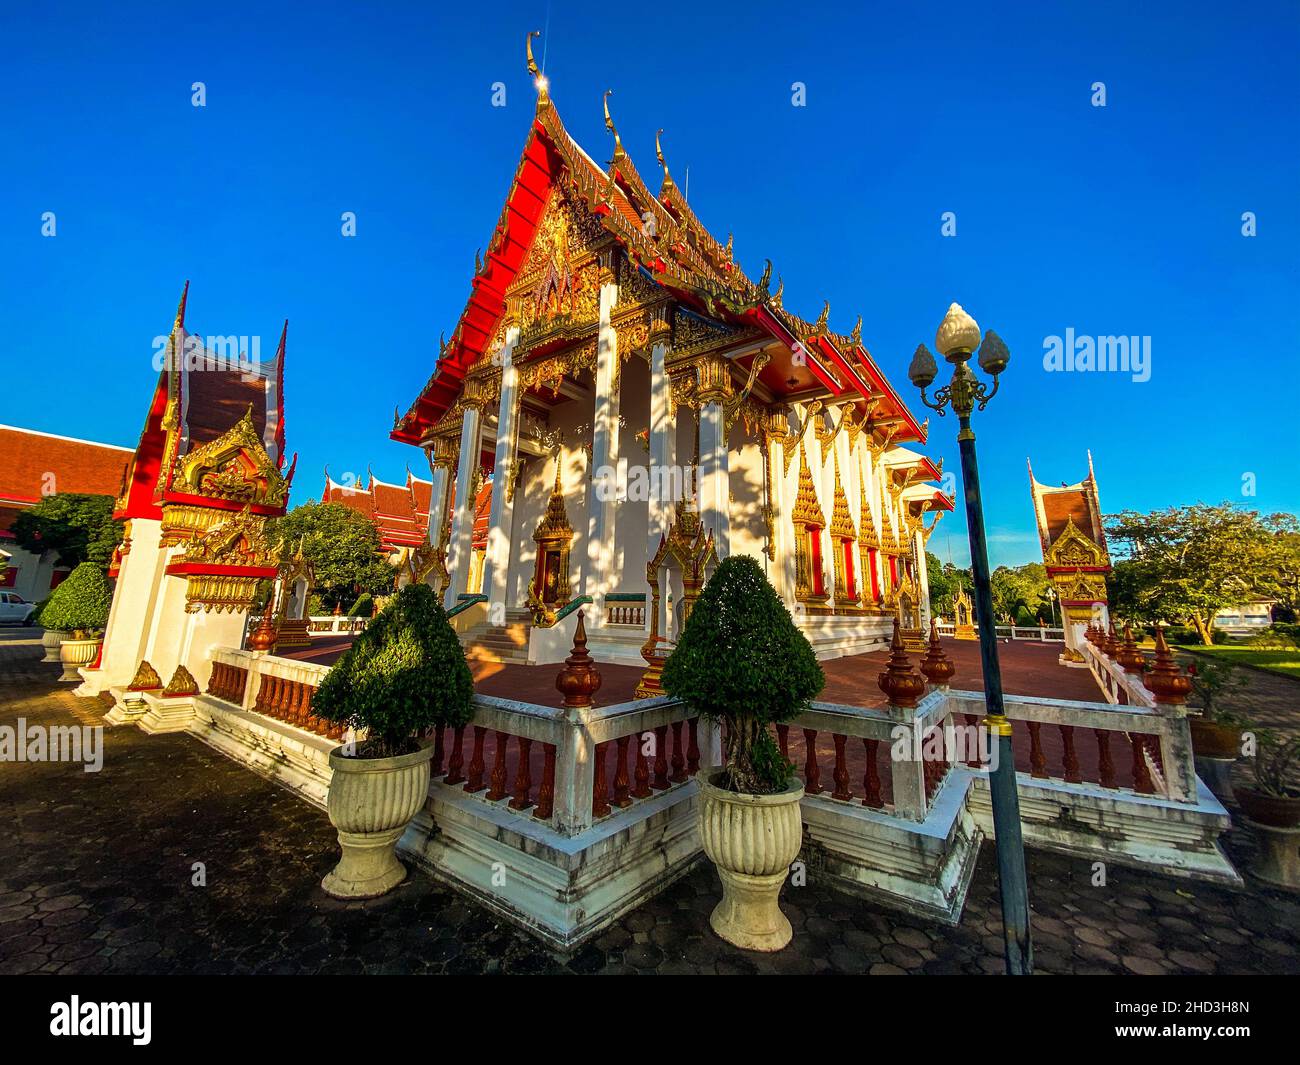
[[97, 874]]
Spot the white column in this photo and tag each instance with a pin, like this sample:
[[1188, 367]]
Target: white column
[[922, 579], [601, 506], [715, 486], [782, 575], [663, 451], [462, 522], [496, 563], [439, 474]]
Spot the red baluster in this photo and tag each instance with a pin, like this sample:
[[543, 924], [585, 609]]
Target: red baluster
[[546, 793], [599, 790], [679, 756], [523, 776], [693, 747], [871, 778], [1106, 768], [642, 773], [841, 769], [438, 752], [476, 763], [498, 780], [621, 797], [457, 757], [1141, 774], [812, 774], [661, 758], [1070, 760], [1037, 760]]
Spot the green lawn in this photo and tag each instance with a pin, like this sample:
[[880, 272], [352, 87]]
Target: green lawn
[[1286, 663]]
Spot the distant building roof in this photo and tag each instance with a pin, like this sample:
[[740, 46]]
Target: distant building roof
[[38, 464]]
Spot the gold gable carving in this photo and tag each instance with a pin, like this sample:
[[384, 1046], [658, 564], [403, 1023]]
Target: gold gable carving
[[1072, 548], [234, 467]]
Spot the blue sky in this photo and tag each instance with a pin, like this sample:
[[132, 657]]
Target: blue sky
[[1116, 220]]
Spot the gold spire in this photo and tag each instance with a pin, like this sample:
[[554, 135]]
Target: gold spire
[[856, 335], [766, 279], [823, 318], [180, 308], [780, 289], [609, 125], [659, 153], [539, 79]]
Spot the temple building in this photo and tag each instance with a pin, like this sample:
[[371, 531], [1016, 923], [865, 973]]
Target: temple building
[[643, 408], [206, 475], [1075, 554], [36, 465]]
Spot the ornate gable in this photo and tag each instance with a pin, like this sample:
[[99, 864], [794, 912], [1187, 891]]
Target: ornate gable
[[1073, 549]]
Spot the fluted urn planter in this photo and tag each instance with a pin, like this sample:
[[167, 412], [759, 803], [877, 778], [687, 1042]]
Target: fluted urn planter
[[51, 641], [371, 802], [74, 653], [1213, 740], [751, 840]]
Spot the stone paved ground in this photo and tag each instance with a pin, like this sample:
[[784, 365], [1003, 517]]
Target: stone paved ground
[[95, 876]]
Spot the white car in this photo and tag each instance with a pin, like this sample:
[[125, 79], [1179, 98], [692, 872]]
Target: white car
[[14, 609]]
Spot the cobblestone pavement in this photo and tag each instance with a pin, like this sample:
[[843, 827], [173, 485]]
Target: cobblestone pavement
[[96, 876]]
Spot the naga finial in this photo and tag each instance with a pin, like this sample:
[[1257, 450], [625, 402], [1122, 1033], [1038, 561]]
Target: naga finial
[[823, 318], [659, 154], [609, 125], [856, 335], [766, 279], [780, 290], [539, 79]]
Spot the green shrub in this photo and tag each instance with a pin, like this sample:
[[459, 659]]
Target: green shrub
[[742, 661], [403, 675], [1025, 618], [1185, 634], [363, 607], [80, 604]]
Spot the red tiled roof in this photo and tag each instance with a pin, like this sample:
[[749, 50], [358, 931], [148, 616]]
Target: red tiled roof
[[399, 512], [34, 464]]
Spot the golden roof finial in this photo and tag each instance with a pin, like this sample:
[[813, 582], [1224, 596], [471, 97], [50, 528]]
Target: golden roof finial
[[780, 289], [731, 240], [180, 308], [659, 154], [478, 260], [609, 125], [766, 279], [539, 79], [823, 318], [856, 335]]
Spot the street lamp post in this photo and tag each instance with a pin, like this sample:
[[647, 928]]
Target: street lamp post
[[957, 339]]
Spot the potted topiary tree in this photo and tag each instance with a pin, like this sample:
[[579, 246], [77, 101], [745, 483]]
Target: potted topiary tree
[[51, 639], [742, 661], [79, 606], [403, 675]]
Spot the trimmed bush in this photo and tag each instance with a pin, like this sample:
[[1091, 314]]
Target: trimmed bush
[[742, 661], [80, 604], [403, 675], [363, 607]]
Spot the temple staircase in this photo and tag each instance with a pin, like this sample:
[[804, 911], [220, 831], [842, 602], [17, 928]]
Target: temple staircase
[[499, 643]]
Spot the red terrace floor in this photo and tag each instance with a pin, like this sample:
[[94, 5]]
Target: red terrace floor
[[1027, 669]]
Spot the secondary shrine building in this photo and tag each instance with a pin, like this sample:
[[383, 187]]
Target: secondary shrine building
[[641, 408]]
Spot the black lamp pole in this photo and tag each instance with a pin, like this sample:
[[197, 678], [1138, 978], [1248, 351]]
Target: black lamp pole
[[957, 339]]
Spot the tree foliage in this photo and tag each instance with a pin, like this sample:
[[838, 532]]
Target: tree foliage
[[404, 674], [80, 603], [944, 578], [77, 528], [1020, 593], [343, 548], [742, 660], [1187, 563]]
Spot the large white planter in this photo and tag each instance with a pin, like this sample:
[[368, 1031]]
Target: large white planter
[[751, 839], [74, 653], [370, 803], [51, 641]]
